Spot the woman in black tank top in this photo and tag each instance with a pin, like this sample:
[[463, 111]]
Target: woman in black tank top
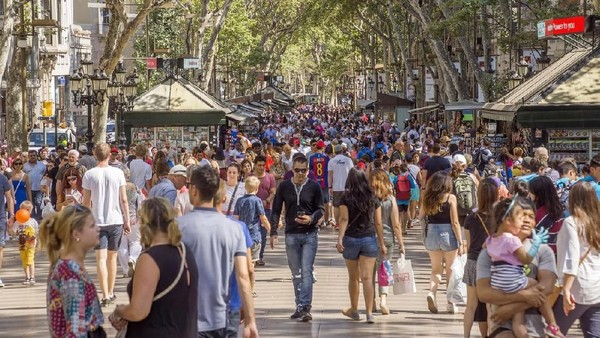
[[164, 290], [443, 239]]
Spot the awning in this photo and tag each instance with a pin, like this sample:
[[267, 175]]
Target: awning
[[236, 117], [463, 105], [425, 109], [366, 104], [530, 91], [546, 116]]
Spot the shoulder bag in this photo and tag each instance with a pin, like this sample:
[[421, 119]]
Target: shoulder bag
[[232, 196], [122, 333]]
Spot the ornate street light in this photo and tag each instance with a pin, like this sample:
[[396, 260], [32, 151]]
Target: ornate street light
[[543, 61], [514, 80], [88, 87], [122, 90], [523, 68]]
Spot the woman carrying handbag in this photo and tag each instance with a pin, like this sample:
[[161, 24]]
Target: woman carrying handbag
[[163, 290]]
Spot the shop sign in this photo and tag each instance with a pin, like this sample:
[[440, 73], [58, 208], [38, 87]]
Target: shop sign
[[191, 63], [151, 63], [561, 26]]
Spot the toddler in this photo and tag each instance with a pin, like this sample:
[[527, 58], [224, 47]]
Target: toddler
[[26, 234]]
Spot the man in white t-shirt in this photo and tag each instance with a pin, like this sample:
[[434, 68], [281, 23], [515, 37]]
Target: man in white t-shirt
[[104, 193], [178, 175], [140, 172], [338, 169]]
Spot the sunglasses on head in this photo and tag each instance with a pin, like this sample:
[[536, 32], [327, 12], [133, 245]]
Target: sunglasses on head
[[300, 170]]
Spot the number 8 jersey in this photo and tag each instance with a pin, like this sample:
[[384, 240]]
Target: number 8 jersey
[[318, 165]]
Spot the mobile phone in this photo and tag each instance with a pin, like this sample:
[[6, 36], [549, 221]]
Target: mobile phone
[[68, 196], [300, 213]]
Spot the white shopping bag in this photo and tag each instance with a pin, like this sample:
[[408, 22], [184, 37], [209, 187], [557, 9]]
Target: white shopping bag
[[404, 277], [48, 211], [457, 290]]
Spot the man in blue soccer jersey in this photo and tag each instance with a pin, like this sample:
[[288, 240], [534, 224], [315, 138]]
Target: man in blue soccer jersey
[[318, 165]]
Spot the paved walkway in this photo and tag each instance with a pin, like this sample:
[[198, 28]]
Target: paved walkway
[[23, 309]]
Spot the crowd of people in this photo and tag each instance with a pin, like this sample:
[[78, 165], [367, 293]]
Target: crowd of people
[[190, 228]]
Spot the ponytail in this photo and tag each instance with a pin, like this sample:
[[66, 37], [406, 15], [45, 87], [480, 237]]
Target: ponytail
[[157, 214]]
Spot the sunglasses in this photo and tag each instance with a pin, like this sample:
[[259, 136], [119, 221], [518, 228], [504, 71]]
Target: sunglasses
[[72, 178], [300, 170], [18, 163]]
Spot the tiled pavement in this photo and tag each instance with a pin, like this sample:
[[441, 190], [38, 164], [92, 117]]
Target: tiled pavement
[[23, 311]]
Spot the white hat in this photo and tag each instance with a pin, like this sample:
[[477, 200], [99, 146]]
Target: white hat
[[459, 158], [178, 170]]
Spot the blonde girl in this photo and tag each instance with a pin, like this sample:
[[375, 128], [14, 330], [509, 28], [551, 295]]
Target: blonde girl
[[72, 300]]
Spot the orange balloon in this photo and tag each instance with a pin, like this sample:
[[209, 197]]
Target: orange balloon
[[22, 216]]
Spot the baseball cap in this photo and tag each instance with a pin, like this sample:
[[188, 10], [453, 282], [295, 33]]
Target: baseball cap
[[459, 158], [114, 150], [178, 170], [320, 144], [83, 148], [418, 146]]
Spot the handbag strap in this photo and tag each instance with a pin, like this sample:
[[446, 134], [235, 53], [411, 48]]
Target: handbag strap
[[482, 224], [181, 249], [237, 184], [584, 256]]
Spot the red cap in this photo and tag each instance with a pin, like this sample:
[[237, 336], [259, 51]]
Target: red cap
[[320, 144], [114, 150], [296, 141]]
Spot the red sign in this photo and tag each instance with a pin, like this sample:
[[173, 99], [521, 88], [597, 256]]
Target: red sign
[[151, 63], [563, 26]]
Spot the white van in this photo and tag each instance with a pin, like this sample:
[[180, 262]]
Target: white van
[[111, 132], [37, 140]]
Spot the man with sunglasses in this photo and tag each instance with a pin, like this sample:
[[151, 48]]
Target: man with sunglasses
[[35, 169], [304, 208]]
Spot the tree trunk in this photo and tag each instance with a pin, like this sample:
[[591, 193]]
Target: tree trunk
[[402, 47], [120, 32], [6, 36], [14, 99], [209, 49]]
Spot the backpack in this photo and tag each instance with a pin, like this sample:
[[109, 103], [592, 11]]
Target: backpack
[[402, 187], [563, 189], [477, 157], [464, 188]]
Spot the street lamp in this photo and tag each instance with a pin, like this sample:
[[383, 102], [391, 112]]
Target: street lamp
[[514, 80], [543, 61], [88, 89], [122, 90], [523, 68]]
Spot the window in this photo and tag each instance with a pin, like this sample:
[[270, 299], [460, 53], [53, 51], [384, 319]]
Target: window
[[105, 13], [1, 7]]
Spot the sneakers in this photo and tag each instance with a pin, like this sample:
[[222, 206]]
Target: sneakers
[[452, 308], [351, 314], [131, 269], [32, 281], [112, 298], [105, 302], [297, 314], [26, 281], [1, 284], [260, 262], [370, 319], [432, 303], [553, 331], [306, 316]]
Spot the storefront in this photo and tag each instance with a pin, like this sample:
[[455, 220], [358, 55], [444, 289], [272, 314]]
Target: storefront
[[393, 108], [178, 111]]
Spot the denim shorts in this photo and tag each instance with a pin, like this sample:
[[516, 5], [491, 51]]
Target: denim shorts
[[110, 237], [355, 247], [440, 237]]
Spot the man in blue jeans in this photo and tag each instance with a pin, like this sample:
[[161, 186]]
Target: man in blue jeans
[[304, 208]]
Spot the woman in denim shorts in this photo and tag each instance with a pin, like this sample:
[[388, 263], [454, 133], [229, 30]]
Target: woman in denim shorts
[[359, 239], [443, 239]]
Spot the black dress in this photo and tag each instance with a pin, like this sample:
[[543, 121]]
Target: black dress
[[175, 314]]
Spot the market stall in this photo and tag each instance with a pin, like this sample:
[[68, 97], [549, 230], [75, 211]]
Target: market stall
[[178, 111]]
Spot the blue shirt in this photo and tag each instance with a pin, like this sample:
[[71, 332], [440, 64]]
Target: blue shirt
[[318, 165], [249, 208], [36, 173], [164, 188], [235, 300], [596, 186]]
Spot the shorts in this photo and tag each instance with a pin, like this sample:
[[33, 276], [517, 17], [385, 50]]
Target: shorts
[[440, 237], [233, 323], [356, 247], [415, 194], [325, 193], [255, 250], [110, 237], [27, 257], [470, 275], [402, 207], [337, 196]]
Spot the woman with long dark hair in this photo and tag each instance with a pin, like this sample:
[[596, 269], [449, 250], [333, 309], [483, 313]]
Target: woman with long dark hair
[[443, 239], [478, 227], [359, 239], [579, 263], [549, 210]]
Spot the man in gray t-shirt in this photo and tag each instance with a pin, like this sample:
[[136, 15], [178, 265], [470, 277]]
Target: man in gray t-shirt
[[542, 268], [219, 247]]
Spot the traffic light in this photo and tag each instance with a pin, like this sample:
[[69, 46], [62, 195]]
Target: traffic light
[[590, 23], [48, 109]]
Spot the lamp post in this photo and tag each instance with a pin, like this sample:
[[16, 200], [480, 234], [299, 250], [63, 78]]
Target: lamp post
[[122, 89], [543, 61], [88, 88]]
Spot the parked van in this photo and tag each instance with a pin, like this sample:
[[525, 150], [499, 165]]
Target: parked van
[[37, 140]]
